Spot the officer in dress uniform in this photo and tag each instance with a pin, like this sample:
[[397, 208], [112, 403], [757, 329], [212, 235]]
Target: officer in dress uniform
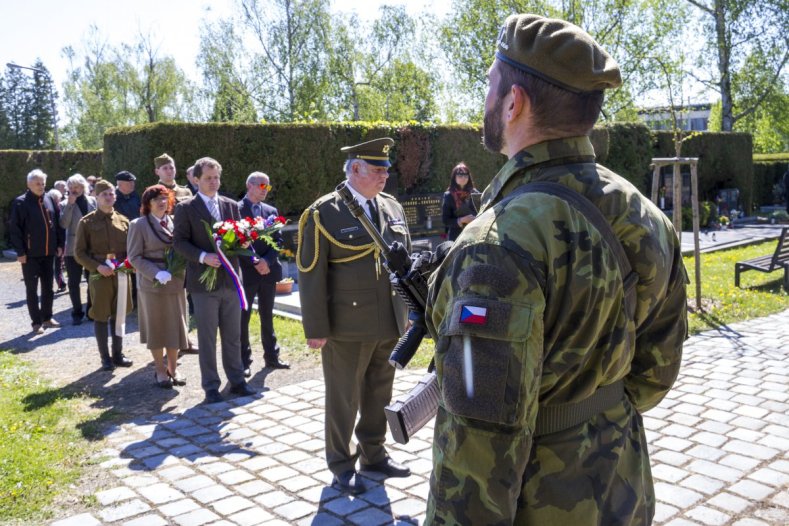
[[544, 426], [351, 313]]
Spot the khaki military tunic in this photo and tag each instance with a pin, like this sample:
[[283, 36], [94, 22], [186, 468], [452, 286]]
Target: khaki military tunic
[[182, 193], [99, 235], [537, 296], [346, 297]]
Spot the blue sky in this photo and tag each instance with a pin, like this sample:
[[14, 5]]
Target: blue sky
[[42, 28]]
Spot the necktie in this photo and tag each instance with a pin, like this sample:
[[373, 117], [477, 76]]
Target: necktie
[[163, 222], [373, 213], [256, 210], [213, 210]]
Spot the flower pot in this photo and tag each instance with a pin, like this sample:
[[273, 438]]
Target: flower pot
[[284, 287]]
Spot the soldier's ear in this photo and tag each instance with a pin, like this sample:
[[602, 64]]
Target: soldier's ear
[[518, 102]]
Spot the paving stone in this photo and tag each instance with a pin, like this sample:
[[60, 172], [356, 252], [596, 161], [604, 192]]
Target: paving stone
[[278, 473], [138, 481], [160, 493], [298, 483], [739, 462], [196, 518], [237, 476], [345, 506], [750, 450], [729, 502], [147, 520], [676, 495], [750, 522], [273, 499], [294, 510], [670, 457], [708, 516], [751, 490], [178, 508], [773, 515], [123, 511], [319, 494], [111, 496], [668, 473], [703, 484], [211, 493], [193, 483], [232, 505], [215, 468], [664, 512], [709, 439], [674, 444], [253, 487], [83, 519], [251, 516], [260, 462], [709, 469], [322, 519], [370, 517], [705, 452], [175, 473], [771, 477]]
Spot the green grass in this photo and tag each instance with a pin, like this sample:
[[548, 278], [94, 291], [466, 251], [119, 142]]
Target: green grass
[[760, 294], [42, 448]]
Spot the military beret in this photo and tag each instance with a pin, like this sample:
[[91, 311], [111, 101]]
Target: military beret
[[162, 160], [557, 52], [102, 185], [125, 176], [374, 152]]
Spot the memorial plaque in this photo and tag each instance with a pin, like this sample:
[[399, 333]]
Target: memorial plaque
[[423, 213]]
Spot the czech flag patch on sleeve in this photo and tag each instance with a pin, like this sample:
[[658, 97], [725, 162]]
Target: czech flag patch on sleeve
[[471, 315]]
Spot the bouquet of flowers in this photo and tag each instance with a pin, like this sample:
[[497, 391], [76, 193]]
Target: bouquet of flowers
[[174, 263], [123, 267], [233, 238]]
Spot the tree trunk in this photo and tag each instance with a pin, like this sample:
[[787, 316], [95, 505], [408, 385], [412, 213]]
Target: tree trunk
[[724, 51]]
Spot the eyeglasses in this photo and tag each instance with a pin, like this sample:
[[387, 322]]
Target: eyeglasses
[[461, 174], [266, 187]]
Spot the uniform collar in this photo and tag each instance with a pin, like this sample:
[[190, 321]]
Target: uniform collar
[[359, 197], [517, 168]]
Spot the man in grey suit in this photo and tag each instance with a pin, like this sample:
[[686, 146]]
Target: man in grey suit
[[217, 308]]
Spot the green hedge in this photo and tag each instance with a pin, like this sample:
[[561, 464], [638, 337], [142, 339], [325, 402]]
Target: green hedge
[[304, 160], [630, 153], [725, 161], [57, 164], [767, 175]]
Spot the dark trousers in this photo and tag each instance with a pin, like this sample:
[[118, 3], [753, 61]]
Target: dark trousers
[[37, 270], [265, 291], [59, 273], [75, 274]]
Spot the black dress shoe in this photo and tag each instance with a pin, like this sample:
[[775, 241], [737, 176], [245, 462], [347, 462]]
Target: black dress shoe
[[212, 396], [247, 372], [349, 482], [277, 364], [107, 365], [243, 389], [122, 361], [388, 467]]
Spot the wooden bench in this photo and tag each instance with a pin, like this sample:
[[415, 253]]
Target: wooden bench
[[778, 260]]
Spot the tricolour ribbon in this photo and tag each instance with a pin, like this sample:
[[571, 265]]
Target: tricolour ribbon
[[242, 298]]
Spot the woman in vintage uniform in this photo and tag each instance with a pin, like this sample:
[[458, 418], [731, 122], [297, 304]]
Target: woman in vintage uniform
[[99, 244], [457, 208], [161, 295]]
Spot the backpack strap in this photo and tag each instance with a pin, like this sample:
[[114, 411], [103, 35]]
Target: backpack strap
[[558, 417]]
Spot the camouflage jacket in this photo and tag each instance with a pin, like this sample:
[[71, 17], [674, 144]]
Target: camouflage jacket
[[536, 296]]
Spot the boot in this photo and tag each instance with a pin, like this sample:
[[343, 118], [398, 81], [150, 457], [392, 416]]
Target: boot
[[100, 329], [117, 348]]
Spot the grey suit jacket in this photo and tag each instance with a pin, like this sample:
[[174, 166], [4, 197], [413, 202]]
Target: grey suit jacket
[[190, 238]]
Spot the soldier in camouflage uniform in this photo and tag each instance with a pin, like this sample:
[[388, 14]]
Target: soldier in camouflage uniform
[[532, 293]]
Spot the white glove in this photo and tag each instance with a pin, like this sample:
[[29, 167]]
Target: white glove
[[163, 277]]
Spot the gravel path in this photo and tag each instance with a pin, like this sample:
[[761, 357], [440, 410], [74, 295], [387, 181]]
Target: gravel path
[[68, 357]]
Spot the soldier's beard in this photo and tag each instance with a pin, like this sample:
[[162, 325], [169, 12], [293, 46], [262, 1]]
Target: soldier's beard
[[493, 128]]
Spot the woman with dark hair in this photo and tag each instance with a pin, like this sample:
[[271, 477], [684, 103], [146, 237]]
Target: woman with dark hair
[[162, 300], [457, 208]]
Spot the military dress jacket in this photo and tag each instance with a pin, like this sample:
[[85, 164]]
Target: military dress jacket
[[532, 288], [181, 193], [344, 296], [100, 235]]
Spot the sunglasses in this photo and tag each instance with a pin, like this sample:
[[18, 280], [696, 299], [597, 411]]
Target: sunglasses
[[266, 187], [461, 174]]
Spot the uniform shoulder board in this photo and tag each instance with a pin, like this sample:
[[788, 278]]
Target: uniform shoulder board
[[387, 196]]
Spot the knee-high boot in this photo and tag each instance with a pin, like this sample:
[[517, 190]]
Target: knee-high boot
[[100, 329], [117, 348]]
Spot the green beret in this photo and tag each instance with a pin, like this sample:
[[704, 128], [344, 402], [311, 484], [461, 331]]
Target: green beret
[[557, 52], [374, 152], [162, 160]]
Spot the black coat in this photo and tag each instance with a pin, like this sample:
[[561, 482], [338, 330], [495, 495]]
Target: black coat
[[34, 226], [450, 214], [128, 204], [261, 248]]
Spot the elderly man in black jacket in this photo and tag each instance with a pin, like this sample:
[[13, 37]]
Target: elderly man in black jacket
[[260, 276], [37, 238]]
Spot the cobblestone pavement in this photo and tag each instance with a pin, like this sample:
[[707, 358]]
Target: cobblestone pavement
[[719, 443]]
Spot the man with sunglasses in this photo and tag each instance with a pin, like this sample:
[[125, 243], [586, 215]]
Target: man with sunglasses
[[260, 275]]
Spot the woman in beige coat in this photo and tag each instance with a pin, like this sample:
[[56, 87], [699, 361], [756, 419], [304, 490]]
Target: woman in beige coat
[[161, 296]]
